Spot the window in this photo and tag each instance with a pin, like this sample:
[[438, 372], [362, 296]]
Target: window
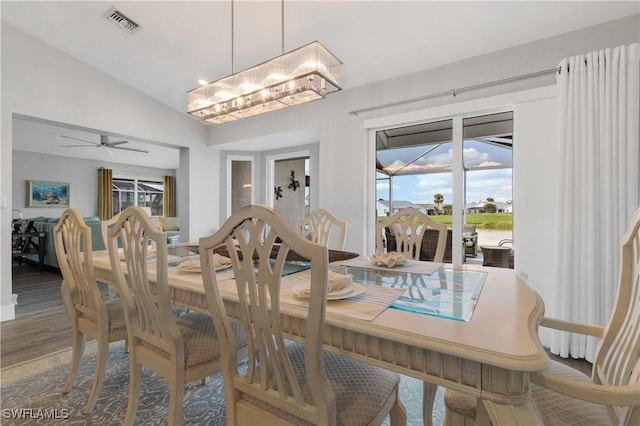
[[146, 193], [417, 167]]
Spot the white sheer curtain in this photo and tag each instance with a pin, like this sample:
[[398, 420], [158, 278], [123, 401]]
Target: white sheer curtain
[[598, 107]]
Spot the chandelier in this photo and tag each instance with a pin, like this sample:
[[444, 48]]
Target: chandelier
[[302, 75]]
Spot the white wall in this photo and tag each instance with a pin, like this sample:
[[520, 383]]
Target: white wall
[[42, 82]]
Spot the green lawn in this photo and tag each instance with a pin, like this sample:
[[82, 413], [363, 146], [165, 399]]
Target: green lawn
[[481, 220]]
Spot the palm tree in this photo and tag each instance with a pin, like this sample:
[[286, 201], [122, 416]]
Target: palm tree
[[437, 200]]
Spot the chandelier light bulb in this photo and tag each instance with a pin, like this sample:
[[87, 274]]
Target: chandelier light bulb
[[286, 80]]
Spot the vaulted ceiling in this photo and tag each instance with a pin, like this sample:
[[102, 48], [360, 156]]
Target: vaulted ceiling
[[180, 42]]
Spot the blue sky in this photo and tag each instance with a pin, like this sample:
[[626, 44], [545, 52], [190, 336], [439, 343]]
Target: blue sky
[[481, 184]]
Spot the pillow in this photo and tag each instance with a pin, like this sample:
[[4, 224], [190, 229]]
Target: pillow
[[53, 220], [91, 219], [169, 223], [38, 219]]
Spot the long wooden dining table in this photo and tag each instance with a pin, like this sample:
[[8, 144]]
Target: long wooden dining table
[[488, 355]]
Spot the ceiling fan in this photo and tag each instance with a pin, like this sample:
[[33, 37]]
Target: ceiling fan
[[104, 144]]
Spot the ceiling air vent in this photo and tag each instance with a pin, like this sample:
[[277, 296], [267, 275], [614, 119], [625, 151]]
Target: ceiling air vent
[[121, 21]]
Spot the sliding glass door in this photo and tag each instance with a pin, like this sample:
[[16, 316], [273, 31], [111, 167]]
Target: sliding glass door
[[458, 170]]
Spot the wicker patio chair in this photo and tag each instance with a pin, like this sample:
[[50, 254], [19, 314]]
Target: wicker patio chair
[[509, 242]]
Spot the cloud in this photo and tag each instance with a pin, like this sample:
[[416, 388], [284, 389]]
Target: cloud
[[481, 184]]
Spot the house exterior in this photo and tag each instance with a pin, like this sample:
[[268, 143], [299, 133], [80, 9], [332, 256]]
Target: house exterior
[[478, 207], [382, 207]]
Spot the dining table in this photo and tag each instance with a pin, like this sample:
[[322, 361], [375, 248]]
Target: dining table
[[467, 327]]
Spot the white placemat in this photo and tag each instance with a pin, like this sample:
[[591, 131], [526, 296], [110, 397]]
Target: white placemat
[[366, 306], [413, 266]]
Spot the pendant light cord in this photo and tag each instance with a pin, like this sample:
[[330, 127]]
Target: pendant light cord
[[282, 21], [232, 32]]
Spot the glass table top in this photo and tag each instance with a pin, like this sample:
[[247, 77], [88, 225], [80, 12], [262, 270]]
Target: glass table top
[[178, 253], [446, 293]]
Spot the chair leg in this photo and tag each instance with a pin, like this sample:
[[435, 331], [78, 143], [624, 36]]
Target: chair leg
[[135, 372], [428, 398], [101, 365], [76, 353], [398, 414], [176, 398]]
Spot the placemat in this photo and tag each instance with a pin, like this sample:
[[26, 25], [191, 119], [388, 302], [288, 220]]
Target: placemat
[[367, 306], [414, 266]]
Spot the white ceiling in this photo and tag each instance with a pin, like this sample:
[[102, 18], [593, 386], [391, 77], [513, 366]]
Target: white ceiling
[[181, 42]]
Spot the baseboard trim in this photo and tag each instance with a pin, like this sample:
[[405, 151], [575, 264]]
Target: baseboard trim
[[8, 312]]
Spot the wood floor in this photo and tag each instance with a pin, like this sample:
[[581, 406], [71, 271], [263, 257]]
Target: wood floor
[[42, 325]]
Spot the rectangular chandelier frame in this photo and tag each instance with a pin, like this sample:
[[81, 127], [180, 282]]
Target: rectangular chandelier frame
[[302, 75]]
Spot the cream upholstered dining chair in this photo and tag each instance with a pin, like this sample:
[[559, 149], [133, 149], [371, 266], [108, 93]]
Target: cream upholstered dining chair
[[90, 314], [181, 349], [611, 395], [407, 227], [319, 226], [286, 382], [104, 228]]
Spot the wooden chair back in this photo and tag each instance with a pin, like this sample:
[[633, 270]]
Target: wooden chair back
[[72, 239], [250, 236], [408, 227], [149, 316], [617, 361], [319, 226], [104, 228]]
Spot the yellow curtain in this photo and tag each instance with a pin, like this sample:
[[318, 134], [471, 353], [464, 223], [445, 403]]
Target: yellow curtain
[[105, 193], [169, 196]]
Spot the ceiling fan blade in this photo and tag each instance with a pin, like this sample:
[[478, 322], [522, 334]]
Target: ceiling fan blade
[[81, 140], [130, 149], [114, 143], [108, 149], [79, 146]]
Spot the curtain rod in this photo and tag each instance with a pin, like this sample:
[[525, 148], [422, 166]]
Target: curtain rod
[[454, 92]]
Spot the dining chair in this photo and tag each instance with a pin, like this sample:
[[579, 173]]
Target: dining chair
[[90, 314], [408, 227], [611, 395], [319, 225], [104, 227], [286, 382], [181, 349]]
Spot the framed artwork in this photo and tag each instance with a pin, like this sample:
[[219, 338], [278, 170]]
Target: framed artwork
[[47, 194]]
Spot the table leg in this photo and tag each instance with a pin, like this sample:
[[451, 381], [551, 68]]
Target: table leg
[[428, 397]]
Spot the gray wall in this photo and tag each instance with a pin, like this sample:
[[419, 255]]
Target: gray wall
[[82, 176]]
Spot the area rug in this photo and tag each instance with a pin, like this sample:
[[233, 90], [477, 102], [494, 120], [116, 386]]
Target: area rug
[[31, 394]]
